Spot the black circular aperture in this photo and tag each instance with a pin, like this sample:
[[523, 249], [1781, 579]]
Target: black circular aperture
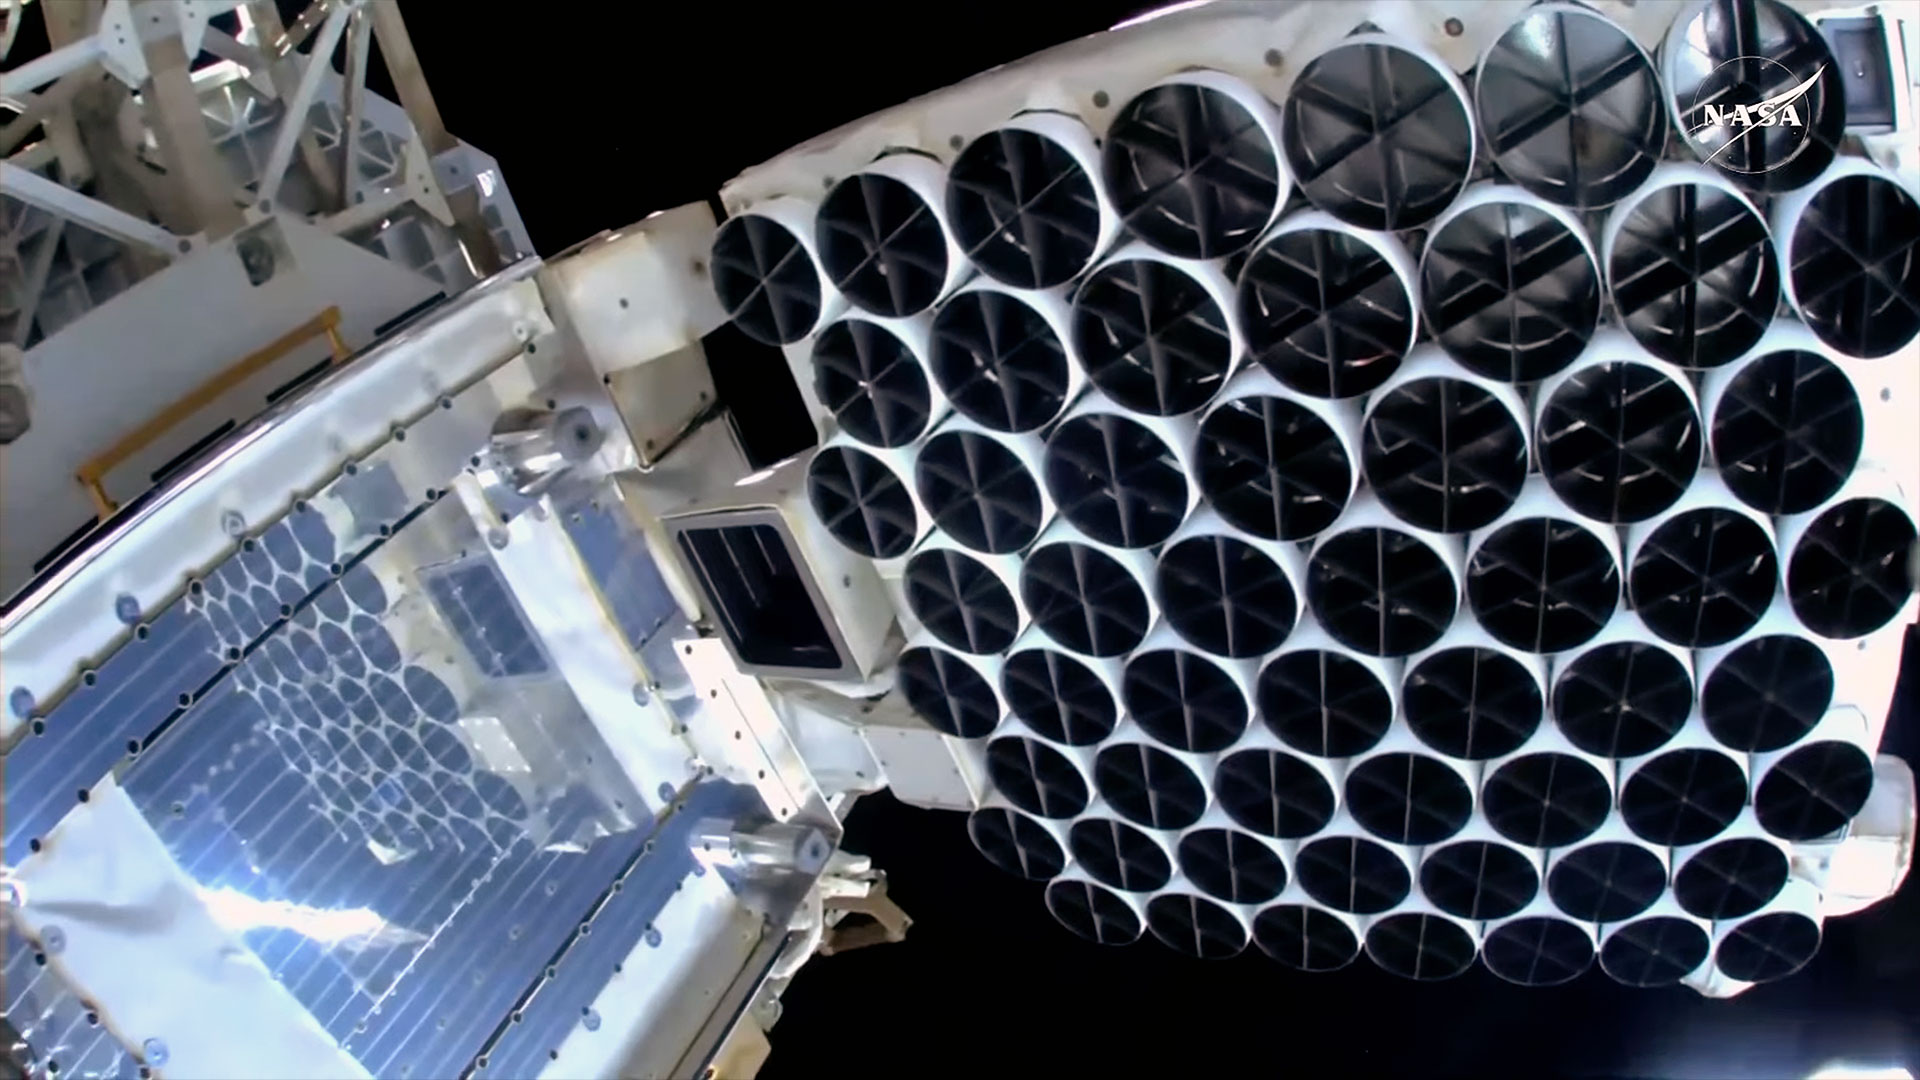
[[1016, 843], [862, 502], [1305, 938], [1377, 136], [1731, 878], [978, 492], [1381, 591], [1408, 798], [1273, 468], [1225, 595], [1571, 107], [1509, 291], [1619, 442], [1693, 274], [1477, 879], [1658, 951], [1191, 171], [1683, 797], [1606, 882], [1847, 574], [1622, 699], [1539, 950], [1273, 793], [1094, 912], [1023, 209], [1196, 926], [947, 692], [765, 279], [1472, 702], [1084, 599], [1543, 585], [1035, 777], [1768, 947], [963, 603], [1704, 577], [1184, 700], [998, 361], [1351, 874], [1443, 454], [871, 382], [1150, 786], [1854, 266], [1058, 696], [1231, 865], [1767, 692], [1787, 432], [881, 245], [1546, 800], [1151, 336], [1118, 854], [1422, 947], [1324, 312], [1115, 480], [1324, 703], [1814, 791]]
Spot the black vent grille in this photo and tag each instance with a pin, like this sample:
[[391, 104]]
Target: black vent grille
[[1543, 585], [1768, 947], [1408, 798], [882, 245], [1351, 874], [1059, 697], [1305, 938], [1659, 951], [1191, 171], [1151, 336], [978, 492], [1767, 692], [1444, 454], [1619, 442], [1421, 947], [1546, 800], [999, 361], [766, 281], [1693, 274], [1196, 926], [1471, 702], [1787, 432], [948, 692], [1855, 265], [1731, 878], [1622, 699], [1035, 777], [862, 502], [1704, 577], [1084, 599], [1274, 794], [1571, 108], [1324, 703], [1016, 843], [1273, 468], [1184, 700], [1324, 312], [1381, 591], [1478, 880], [1115, 480], [1683, 797], [1023, 209], [962, 602], [1606, 882], [1226, 596], [1149, 786], [1538, 951], [869, 379], [1509, 291], [1814, 790], [1117, 854], [1377, 136], [1231, 865], [1094, 912], [1777, 48], [1847, 575]]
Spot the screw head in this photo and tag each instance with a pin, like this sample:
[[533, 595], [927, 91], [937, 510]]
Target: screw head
[[53, 940], [154, 1051], [641, 695], [591, 1021], [126, 608], [497, 538]]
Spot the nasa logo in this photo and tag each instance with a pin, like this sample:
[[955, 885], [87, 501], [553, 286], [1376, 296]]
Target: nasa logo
[[1726, 114]]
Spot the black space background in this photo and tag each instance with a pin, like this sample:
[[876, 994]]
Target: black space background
[[600, 112]]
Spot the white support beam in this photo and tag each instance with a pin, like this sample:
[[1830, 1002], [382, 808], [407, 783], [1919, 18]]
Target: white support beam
[[37, 190], [294, 118], [20, 82], [354, 95]]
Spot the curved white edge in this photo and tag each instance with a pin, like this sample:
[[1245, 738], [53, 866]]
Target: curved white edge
[[1366, 512], [1107, 669], [1708, 492], [1691, 736], [1137, 562], [927, 178], [898, 461], [1388, 246], [796, 216], [1266, 116], [1492, 193], [145, 948], [1209, 274], [1611, 345], [1027, 447], [1789, 206], [1670, 174], [1055, 307], [1071, 134], [1004, 568], [1179, 434], [1624, 627], [1869, 481], [1798, 898], [915, 332], [1785, 335]]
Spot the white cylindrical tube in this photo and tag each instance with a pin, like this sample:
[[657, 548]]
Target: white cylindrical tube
[[1895, 324], [1067, 697], [1747, 429], [1625, 692], [1661, 946], [1543, 578], [1093, 911], [957, 693], [1687, 792], [1548, 793], [1404, 793], [1463, 495], [1416, 940], [1539, 946], [1184, 697], [1057, 587], [1845, 561], [1226, 591], [998, 247], [1188, 922], [871, 373], [1006, 385], [1346, 868], [1121, 477], [1611, 876], [925, 178], [1733, 875], [1347, 566], [1016, 841], [1771, 944], [1768, 687], [951, 591], [1323, 699], [983, 487], [740, 280], [1813, 789], [1702, 572], [1440, 695], [1113, 290], [1254, 428], [1478, 874], [1306, 936], [864, 497]]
